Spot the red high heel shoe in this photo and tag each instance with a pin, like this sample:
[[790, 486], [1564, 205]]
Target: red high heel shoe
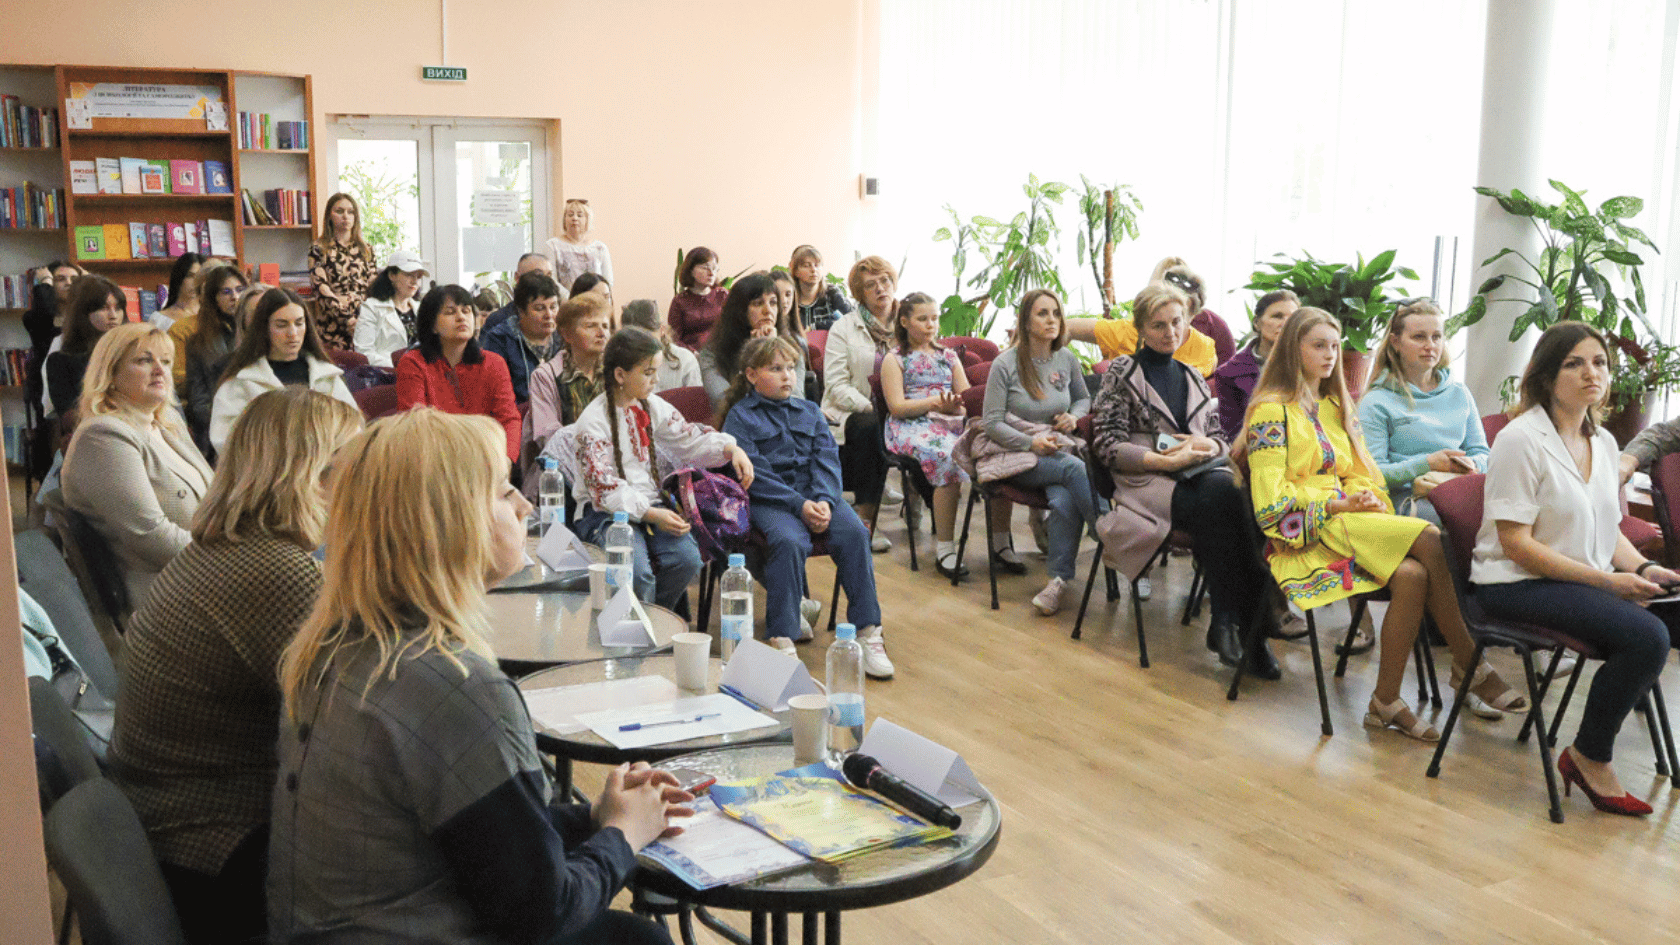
[[1626, 804]]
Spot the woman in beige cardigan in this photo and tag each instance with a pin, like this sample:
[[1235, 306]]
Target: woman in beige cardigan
[[132, 470]]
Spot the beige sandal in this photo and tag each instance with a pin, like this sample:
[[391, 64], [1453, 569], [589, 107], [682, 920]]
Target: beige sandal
[[1398, 716], [1492, 691]]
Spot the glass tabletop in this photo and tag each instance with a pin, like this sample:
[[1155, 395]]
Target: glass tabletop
[[873, 879], [586, 746], [537, 576], [559, 627]]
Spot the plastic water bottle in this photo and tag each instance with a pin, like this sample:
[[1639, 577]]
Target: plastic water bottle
[[621, 566], [845, 694], [551, 492], [737, 605]]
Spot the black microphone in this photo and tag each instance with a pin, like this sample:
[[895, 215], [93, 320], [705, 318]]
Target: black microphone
[[865, 772]]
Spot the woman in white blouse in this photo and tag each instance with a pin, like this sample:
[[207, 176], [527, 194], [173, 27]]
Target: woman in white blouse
[[132, 469], [1550, 551], [573, 251]]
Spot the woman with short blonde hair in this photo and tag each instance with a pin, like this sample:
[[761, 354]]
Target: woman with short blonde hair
[[415, 803], [200, 698]]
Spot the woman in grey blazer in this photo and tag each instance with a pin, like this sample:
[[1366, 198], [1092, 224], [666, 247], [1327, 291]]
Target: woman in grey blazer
[[131, 468]]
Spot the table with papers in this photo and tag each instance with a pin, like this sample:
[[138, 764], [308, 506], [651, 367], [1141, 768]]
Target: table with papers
[[560, 627]]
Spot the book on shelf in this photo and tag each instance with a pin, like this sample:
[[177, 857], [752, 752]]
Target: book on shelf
[[162, 296], [186, 177], [25, 126], [189, 238], [269, 274], [218, 179], [84, 177], [116, 242], [279, 207], [148, 304], [177, 239], [131, 298], [138, 245], [109, 172], [221, 237], [17, 291], [258, 131], [90, 242], [30, 207], [154, 177], [131, 168], [157, 240]]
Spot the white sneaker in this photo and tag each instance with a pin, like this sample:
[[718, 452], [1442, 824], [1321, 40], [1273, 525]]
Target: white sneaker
[[809, 609], [1049, 600], [890, 495], [880, 544], [784, 644], [1565, 666], [805, 630], [875, 662], [1144, 588]]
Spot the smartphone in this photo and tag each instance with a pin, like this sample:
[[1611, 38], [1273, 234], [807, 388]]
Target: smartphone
[[1463, 462], [1165, 442], [692, 780]]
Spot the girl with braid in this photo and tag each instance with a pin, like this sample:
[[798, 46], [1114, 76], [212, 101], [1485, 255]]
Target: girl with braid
[[616, 441]]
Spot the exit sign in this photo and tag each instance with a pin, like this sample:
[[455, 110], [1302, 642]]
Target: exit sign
[[443, 73]]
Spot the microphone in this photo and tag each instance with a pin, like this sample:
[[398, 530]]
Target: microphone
[[865, 772]]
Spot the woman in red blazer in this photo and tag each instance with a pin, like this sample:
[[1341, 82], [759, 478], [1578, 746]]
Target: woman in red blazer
[[450, 372]]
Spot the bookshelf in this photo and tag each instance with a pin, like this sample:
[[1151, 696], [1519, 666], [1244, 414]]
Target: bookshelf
[[24, 248]]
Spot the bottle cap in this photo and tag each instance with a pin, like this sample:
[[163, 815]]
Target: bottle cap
[[845, 631], [620, 517], [550, 463], [737, 561]]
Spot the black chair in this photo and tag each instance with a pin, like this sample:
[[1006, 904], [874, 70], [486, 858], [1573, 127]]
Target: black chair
[[98, 849], [755, 548], [97, 569], [910, 473], [1429, 689], [973, 401], [1459, 503], [63, 758], [43, 573]]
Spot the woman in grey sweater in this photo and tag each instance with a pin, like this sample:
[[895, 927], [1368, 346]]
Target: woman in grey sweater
[[1039, 380]]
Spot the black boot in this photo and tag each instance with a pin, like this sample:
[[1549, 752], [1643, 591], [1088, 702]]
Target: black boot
[[1262, 663], [1225, 639]]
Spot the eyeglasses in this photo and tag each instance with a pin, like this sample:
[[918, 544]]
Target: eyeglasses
[[1182, 281]]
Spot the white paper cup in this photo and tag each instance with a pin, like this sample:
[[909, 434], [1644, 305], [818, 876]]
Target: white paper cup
[[810, 728], [598, 586], [693, 652]]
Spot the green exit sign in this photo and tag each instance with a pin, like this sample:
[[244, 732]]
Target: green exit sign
[[443, 73]]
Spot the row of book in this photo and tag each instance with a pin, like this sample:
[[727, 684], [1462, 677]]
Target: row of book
[[278, 207], [31, 207], [12, 364], [258, 131], [144, 176], [14, 290], [25, 126], [154, 240], [16, 436]]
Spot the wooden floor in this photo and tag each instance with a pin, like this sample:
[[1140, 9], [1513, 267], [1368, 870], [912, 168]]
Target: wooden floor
[[1140, 805]]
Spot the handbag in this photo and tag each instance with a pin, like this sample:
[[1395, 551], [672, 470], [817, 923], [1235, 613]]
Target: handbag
[[1426, 483], [715, 506]]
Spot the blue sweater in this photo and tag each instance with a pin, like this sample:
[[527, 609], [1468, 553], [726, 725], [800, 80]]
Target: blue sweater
[[792, 451], [1401, 435]]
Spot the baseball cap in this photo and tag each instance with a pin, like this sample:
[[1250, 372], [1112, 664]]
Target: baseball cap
[[406, 261]]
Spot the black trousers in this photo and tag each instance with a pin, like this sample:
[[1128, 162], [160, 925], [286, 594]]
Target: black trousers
[[619, 928], [863, 459], [1213, 511], [230, 907]]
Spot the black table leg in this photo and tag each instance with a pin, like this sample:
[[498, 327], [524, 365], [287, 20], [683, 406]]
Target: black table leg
[[778, 928], [831, 928], [808, 931], [760, 928], [723, 929]]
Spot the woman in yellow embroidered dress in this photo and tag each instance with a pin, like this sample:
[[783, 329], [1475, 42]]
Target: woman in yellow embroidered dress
[[1331, 532]]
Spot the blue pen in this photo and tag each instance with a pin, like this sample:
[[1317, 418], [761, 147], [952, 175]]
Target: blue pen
[[736, 694], [638, 726]]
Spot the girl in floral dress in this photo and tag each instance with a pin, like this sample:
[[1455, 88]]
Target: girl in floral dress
[[923, 385]]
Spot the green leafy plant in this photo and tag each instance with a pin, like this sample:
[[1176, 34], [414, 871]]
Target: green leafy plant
[[1109, 214], [1357, 296], [1019, 255], [377, 193]]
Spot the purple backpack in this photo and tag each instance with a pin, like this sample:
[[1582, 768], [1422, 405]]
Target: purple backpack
[[715, 506]]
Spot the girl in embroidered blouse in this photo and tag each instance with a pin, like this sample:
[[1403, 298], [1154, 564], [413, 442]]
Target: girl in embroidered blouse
[[1331, 531], [618, 471]]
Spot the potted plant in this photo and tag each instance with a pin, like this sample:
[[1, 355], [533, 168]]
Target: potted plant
[[1356, 296], [1019, 255], [1586, 254]]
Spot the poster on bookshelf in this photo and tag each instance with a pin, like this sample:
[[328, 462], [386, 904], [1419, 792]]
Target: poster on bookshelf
[[130, 100]]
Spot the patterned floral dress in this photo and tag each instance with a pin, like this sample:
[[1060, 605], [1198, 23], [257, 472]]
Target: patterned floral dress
[[929, 437], [341, 276], [1299, 460]]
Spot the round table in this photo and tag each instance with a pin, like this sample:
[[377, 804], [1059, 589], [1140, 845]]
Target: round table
[[537, 576], [559, 627], [878, 878], [586, 746]]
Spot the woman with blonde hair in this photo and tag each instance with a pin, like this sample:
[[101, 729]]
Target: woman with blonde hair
[[817, 303], [193, 744], [1176, 272], [573, 251], [341, 269], [131, 469], [414, 803], [1331, 531]]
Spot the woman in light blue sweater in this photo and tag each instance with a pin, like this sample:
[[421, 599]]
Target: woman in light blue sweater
[[1416, 419], [1040, 381]]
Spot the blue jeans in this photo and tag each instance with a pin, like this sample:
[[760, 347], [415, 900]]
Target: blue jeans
[[1072, 510], [664, 564], [789, 542], [1634, 642]]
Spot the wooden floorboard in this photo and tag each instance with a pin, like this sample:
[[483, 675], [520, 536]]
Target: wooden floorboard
[[1140, 805]]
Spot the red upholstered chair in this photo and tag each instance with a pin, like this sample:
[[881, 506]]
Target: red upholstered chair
[[345, 360], [1665, 498], [817, 339], [691, 402], [1492, 424], [984, 351], [376, 402], [977, 374], [1459, 503], [814, 354]]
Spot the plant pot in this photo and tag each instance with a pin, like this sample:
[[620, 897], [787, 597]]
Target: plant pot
[[1624, 424], [1355, 365]]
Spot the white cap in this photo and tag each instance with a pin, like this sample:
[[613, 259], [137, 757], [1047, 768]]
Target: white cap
[[406, 261]]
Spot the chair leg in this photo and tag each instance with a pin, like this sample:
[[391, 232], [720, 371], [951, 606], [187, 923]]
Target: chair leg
[[1656, 736], [909, 532], [1253, 634], [708, 588], [1356, 611], [1137, 620], [1193, 603], [1420, 656], [1318, 677], [1429, 666], [1545, 743], [1113, 579], [991, 564], [834, 604], [1434, 770], [962, 540], [1668, 736], [1085, 601], [1557, 720]]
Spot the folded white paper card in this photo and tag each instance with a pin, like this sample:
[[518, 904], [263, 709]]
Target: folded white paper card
[[923, 762], [562, 550], [766, 675], [618, 627]]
